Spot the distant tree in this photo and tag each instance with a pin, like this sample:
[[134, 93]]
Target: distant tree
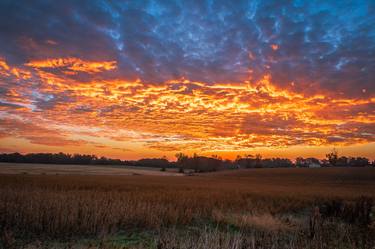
[[276, 163], [332, 157], [228, 164], [199, 163], [247, 161], [258, 160], [57, 158], [358, 162], [342, 161], [250, 161], [300, 162], [181, 161], [153, 162], [181, 157]]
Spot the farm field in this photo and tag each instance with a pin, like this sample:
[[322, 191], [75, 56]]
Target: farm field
[[65, 169], [255, 208]]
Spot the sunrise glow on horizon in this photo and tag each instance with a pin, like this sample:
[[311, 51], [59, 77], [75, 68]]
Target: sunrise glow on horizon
[[141, 79]]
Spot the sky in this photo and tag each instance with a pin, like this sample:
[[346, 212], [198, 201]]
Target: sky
[[135, 79]]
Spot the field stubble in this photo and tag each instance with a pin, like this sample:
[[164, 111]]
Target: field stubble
[[270, 208]]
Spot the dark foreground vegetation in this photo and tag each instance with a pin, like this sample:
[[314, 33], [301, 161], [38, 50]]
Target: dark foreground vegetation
[[195, 163], [260, 208]]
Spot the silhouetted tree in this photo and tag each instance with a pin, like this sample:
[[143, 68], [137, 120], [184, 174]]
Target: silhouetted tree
[[250, 161], [153, 162], [181, 161], [58, 158], [332, 157], [199, 163], [342, 161]]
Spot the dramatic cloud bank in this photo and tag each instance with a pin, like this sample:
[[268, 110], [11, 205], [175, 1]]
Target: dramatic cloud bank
[[155, 77]]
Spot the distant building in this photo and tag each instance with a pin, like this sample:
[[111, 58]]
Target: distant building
[[314, 165], [308, 162], [312, 162]]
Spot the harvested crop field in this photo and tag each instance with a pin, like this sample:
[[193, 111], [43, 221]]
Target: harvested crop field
[[258, 208]]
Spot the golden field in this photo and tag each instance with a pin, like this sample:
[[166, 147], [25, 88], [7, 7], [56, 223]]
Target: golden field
[[256, 208]]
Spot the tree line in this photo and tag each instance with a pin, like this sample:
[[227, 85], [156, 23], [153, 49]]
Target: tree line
[[194, 163], [63, 158]]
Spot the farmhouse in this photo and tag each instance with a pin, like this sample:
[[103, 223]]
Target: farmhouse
[[310, 162]]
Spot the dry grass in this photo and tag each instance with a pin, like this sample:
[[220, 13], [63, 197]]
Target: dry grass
[[265, 221], [265, 204]]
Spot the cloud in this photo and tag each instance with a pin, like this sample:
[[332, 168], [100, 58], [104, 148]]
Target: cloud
[[35, 134], [327, 46], [74, 65], [9, 105], [204, 75]]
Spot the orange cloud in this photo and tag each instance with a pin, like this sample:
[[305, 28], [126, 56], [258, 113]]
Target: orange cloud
[[75, 65], [37, 134], [4, 65], [179, 115], [7, 70], [274, 47]]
